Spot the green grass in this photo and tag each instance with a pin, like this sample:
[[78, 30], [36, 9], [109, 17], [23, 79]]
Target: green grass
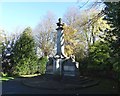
[[29, 75], [4, 77]]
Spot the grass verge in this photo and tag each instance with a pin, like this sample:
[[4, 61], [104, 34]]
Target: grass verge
[[29, 75], [4, 77]]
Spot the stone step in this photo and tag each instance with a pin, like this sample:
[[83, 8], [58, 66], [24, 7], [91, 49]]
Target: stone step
[[46, 81], [77, 81], [79, 86], [72, 79]]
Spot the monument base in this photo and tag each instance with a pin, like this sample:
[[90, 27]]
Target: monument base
[[62, 66]]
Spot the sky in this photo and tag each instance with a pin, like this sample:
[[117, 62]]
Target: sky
[[17, 15]]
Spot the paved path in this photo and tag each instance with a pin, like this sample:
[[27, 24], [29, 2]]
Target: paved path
[[16, 87]]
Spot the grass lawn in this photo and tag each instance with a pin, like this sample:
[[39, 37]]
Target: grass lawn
[[6, 78], [29, 75]]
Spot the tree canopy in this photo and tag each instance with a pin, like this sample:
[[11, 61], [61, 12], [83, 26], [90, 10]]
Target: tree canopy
[[24, 56], [112, 16]]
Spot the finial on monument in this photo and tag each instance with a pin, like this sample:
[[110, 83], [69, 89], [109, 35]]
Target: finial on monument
[[60, 20], [60, 24]]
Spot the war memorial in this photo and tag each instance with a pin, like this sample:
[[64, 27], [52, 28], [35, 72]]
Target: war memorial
[[62, 72], [61, 64]]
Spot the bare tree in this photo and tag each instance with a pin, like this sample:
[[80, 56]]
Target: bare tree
[[45, 34], [2, 35], [87, 24], [72, 16]]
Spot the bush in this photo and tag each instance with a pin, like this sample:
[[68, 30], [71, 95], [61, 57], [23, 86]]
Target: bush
[[25, 66], [42, 65], [99, 57], [24, 57]]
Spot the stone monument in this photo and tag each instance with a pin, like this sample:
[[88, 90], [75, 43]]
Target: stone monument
[[60, 64], [64, 70]]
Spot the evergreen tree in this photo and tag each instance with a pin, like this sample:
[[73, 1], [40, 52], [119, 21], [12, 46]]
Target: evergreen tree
[[99, 57], [112, 15], [25, 59]]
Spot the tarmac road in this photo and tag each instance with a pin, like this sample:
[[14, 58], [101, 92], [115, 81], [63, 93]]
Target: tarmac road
[[16, 87]]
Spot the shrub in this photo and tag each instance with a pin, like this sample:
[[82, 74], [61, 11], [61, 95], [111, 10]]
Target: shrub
[[24, 57], [42, 65], [99, 57]]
